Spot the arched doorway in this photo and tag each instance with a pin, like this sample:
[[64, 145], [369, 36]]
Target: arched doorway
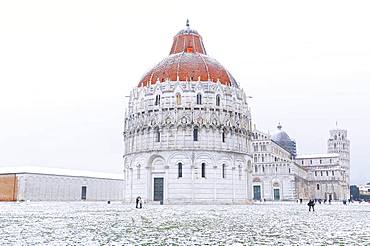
[[157, 173]]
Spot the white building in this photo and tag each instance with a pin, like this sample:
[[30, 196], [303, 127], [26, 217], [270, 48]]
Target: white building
[[51, 184], [187, 131], [188, 139], [280, 174], [276, 176]]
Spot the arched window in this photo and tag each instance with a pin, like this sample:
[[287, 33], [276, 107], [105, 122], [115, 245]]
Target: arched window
[[203, 170], [195, 134], [335, 137], [138, 171], [289, 170], [335, 146], [263, 168], [240, 172], [157, 135], [255, 168], [223, 136], [157, 100], [199, 99], [178, 99], [179, 170], [318, 186], [223, 171], [218, 99]]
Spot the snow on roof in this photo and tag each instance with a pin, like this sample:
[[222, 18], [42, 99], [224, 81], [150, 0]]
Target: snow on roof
[[317, 156], [60, 172]]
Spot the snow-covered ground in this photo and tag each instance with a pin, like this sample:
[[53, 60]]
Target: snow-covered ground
[[88, 223]]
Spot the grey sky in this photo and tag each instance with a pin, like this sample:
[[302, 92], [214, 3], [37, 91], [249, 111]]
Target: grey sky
[[65, 67]]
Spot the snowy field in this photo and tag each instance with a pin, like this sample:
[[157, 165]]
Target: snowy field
[[88, 223]]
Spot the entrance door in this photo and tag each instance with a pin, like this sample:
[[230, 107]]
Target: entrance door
[[276, 194], [83, 192], [256, 192], [158, 189]]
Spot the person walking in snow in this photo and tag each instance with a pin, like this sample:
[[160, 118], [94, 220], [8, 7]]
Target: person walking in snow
[[311, 204], [138, 201]]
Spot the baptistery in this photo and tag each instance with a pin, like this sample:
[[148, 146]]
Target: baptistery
[[187, 131]]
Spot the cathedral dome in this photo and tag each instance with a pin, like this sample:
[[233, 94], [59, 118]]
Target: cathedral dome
[[188, 61], [283, 139], [280, 136]]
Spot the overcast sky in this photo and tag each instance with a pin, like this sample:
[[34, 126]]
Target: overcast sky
[[66, 67]]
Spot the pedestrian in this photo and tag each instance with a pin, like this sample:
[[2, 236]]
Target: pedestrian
[[138, 199], [141, 203], [311, 204]]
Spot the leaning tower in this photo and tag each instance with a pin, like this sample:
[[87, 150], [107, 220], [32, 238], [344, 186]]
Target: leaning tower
[[338, 143]]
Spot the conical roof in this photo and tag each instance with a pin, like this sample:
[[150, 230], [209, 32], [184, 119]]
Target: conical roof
[[188, 61]]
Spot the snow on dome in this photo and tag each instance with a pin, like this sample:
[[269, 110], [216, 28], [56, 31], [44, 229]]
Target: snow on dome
[[188, 61]]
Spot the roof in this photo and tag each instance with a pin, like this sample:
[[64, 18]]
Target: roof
[[317, 156], [188, 61], [59, 172]]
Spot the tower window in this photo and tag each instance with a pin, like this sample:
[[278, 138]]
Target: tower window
[[195, 134], [327, 173], [203, 170], [317, 186], [199, 99], [315, 173], [157, 100], [223, 137], [321, 173], [179, 170], [158, 135], [138, 172], [223, 171], [218, 99], [178, 99], [332, 173]]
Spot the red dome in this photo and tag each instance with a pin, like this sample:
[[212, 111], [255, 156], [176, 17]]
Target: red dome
[[188, 61]]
